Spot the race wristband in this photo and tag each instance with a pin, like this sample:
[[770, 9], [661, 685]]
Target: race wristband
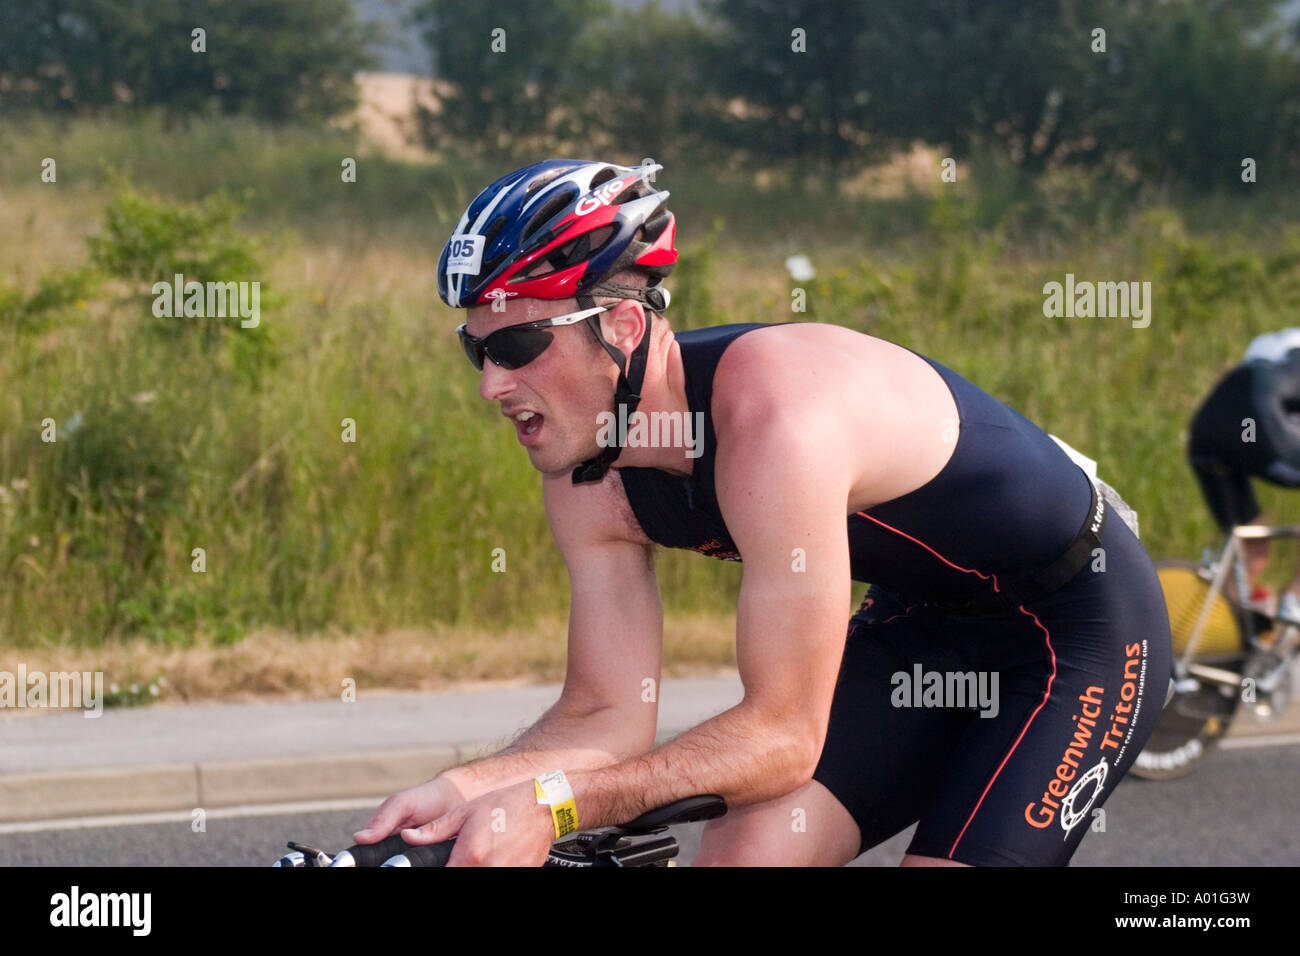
[[553, 790]]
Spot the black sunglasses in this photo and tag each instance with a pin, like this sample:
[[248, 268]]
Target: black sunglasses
[[516, 345]]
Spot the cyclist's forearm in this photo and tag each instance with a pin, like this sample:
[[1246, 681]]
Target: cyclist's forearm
[[741, 754], [558, 740]]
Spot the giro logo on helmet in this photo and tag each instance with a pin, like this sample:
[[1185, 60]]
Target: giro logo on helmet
[[601, 197]]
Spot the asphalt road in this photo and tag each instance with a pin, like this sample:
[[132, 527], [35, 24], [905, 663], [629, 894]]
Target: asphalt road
[[1239, 809]]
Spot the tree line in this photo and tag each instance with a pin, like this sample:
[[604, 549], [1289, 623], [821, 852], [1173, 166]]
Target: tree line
[[1166, 90]]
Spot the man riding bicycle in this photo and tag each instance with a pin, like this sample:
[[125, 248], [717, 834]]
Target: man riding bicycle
[[1249, 426], [823, 456]]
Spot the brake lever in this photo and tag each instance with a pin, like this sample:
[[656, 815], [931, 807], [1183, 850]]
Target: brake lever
[[311, 856]]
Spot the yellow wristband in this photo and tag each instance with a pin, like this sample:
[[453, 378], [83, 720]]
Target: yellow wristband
[[553, 790]]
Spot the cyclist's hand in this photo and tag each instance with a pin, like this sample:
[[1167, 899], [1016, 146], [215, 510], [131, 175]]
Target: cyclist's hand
[[411, 808], [506, 827]]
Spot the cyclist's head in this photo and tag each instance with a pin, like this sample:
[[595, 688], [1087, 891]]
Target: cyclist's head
[[554, 230], [557, 238]]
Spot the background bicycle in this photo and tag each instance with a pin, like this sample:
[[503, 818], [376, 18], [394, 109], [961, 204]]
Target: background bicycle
[[1230, 654]]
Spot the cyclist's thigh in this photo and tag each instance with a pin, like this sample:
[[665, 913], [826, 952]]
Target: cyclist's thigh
[[1082, 677], [884, 756]]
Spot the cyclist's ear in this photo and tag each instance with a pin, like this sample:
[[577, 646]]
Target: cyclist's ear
[[620, 323]]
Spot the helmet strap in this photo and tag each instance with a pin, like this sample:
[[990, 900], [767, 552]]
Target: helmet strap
[[627, 393]]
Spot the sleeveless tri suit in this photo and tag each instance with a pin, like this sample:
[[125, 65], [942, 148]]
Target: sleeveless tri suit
[[983, 692]]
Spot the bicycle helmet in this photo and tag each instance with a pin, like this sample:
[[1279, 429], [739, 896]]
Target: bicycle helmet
[[556, 230]]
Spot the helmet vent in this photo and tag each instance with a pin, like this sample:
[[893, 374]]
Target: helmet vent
[[655, 226], [637, 190], [495, 227], [570, 254], [541, 181], [555, 204], [602, 177], [489, 236]]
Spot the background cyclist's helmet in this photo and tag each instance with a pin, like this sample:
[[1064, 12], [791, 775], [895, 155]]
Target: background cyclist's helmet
[[554, 230]]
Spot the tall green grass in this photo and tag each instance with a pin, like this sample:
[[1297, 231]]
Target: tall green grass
[[173, 438]]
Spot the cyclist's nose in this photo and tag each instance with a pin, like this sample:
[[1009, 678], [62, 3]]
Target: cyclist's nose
[[495, 383]]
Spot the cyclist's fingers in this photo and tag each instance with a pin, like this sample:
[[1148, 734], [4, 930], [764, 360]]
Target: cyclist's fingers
[[435, 831], [397, 811]]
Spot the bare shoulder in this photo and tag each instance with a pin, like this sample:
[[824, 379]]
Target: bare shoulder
[[797, 365], [591, 513], [878, 409]]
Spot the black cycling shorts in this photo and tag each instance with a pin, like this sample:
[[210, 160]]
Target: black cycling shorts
[[1081, 676]]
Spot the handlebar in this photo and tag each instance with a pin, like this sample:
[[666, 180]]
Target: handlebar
[[599, 847]]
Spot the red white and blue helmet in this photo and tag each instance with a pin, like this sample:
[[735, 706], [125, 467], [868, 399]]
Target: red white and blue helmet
[[554, 230]]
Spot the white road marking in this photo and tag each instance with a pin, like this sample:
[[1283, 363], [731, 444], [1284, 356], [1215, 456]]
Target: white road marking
[[185, 816], [1261, 740]]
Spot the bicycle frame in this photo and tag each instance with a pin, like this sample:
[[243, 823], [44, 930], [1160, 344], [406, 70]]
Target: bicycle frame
[[1230, 560]]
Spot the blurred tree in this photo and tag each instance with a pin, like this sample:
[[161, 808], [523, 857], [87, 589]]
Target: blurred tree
[[1182, 88], [649, 91], [274, 59], [797, 76], [838, 84], [571, 76], [513, 67], [1182, 91], [1208, 84]]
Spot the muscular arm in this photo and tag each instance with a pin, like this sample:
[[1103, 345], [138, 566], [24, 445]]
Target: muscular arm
[[779, 490], [559, 738], [603, 715]]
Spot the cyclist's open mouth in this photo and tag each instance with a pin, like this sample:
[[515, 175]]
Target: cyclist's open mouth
[[527, 426]]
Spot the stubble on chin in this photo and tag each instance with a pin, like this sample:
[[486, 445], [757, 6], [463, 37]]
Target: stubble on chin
[[551, 465], [545, 461]]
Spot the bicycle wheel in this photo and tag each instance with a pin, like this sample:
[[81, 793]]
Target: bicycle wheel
[[1193, 721]]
